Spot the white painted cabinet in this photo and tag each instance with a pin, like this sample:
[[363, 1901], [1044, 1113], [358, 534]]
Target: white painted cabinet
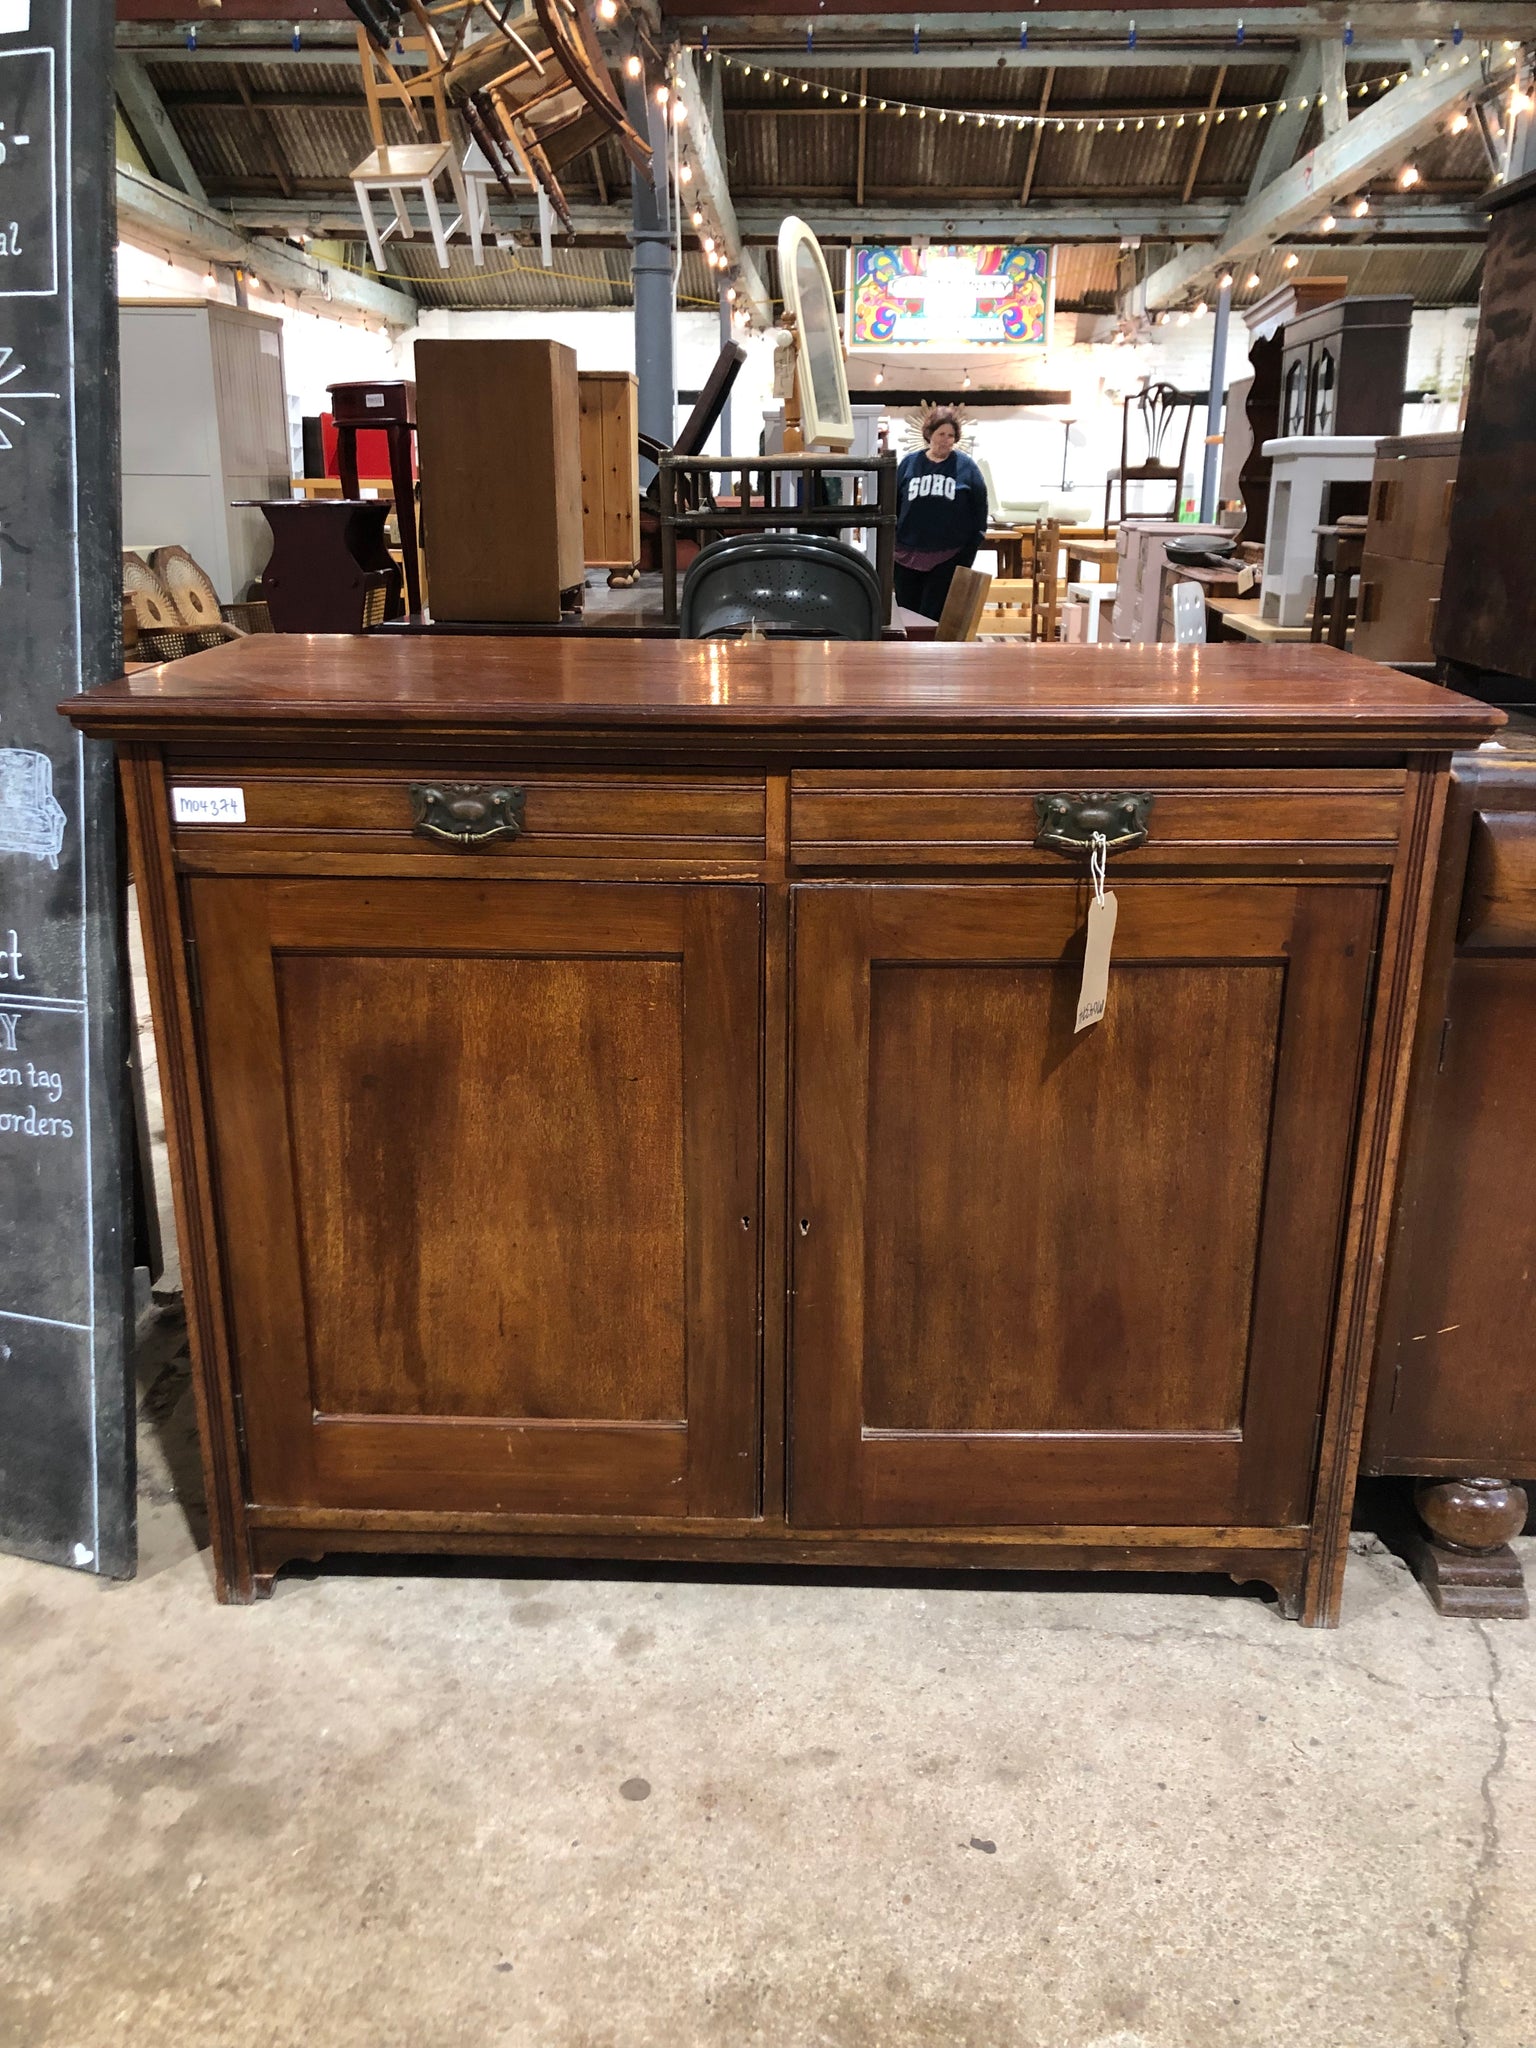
[[205, 422]]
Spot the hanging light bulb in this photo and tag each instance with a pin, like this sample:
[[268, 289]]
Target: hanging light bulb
[[632, 66], [685, 175], [662, 95], [1225, 280], [1327, 224], [1519, 101], [697, 218], [1251, 281], [1408, 176], [879, 376], [1201, 309], [1361, 208], [709, 244], [1460, 124], [607, 9], [679, 113], [1292, 260]]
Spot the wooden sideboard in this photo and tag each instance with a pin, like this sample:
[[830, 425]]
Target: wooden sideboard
[[1453, 1402], [624, 1099]]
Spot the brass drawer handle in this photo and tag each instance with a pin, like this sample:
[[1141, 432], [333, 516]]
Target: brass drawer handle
[[468, 814], [1067, 823]]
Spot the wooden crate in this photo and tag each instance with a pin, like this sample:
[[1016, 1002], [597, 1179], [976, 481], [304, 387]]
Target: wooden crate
[[1412, 487], [498, 432], [610, 469]]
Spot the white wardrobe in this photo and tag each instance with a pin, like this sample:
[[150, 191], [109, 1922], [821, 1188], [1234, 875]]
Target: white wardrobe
[[205, 421]]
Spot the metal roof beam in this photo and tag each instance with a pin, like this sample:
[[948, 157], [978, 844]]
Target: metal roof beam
[[151, 124], [152, 213], [1389, 19], [1374, 141], [711, 192], [1040, 56], [758, 221]]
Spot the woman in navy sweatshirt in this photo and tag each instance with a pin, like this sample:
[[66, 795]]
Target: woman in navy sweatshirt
[[941, 515]]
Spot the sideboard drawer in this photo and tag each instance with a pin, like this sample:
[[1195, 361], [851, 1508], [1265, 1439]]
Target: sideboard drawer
[[988, 818], [554, 816]]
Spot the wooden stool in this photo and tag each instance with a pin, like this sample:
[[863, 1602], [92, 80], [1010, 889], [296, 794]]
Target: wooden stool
[[1340, 551], [391, 407]]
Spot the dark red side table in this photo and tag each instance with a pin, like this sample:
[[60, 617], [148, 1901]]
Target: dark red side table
[[391, 407]]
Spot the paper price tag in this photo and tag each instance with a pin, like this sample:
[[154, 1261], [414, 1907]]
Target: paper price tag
[[1247, 576], [1094, 994], [208, 806]]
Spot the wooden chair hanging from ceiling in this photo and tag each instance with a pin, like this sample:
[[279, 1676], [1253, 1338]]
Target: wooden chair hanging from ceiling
[[531, 84], [1155, 409]]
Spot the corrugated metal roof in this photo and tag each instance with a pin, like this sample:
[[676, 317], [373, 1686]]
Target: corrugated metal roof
[[1439, 274], [309, 123]]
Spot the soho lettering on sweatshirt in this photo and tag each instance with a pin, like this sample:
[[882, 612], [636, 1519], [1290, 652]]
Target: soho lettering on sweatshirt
[[941, 507]]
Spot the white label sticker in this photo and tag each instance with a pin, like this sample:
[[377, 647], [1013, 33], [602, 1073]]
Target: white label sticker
[[208, 806], [374, 398], [1094, 994], [1247, 576], [267, 343]]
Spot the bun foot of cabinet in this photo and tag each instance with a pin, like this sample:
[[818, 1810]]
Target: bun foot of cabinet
[[1462, 1556]]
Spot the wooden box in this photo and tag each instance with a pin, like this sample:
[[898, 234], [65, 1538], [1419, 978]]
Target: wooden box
[[1411, 490], [610, 469], [499, 447], [625, 1098]]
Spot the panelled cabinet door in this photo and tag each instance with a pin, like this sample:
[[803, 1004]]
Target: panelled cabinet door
[[1043, 1277], [487, 1168]]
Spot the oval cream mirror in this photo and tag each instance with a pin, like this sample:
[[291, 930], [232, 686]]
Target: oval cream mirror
[[825, 413]]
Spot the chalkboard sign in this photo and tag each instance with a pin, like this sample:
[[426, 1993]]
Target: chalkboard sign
[[65, 1441]]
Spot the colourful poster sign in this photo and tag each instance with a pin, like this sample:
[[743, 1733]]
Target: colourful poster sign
[[951, 297]]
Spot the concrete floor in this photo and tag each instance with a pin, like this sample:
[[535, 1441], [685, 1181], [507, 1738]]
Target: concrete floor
[[478, 1808], [401, 1809]]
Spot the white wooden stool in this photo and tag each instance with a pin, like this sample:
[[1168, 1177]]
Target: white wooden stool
[[410, 166], [1095, 596]]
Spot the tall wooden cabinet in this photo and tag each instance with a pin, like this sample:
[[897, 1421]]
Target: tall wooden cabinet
[[498, 435], [625, 1099], [610, 469]]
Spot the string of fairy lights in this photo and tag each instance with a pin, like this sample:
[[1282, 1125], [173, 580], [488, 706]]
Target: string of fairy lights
[[1020, 119], [670, 100]]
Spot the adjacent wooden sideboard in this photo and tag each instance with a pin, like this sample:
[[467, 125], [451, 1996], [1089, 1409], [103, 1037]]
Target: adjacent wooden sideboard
[[624, 1098], [1453, 1401]]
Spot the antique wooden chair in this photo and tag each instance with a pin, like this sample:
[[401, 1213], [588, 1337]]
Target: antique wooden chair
[[1155, 410]]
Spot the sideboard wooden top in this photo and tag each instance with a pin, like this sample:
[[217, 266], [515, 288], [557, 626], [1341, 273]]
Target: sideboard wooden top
[[1302, 695]]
